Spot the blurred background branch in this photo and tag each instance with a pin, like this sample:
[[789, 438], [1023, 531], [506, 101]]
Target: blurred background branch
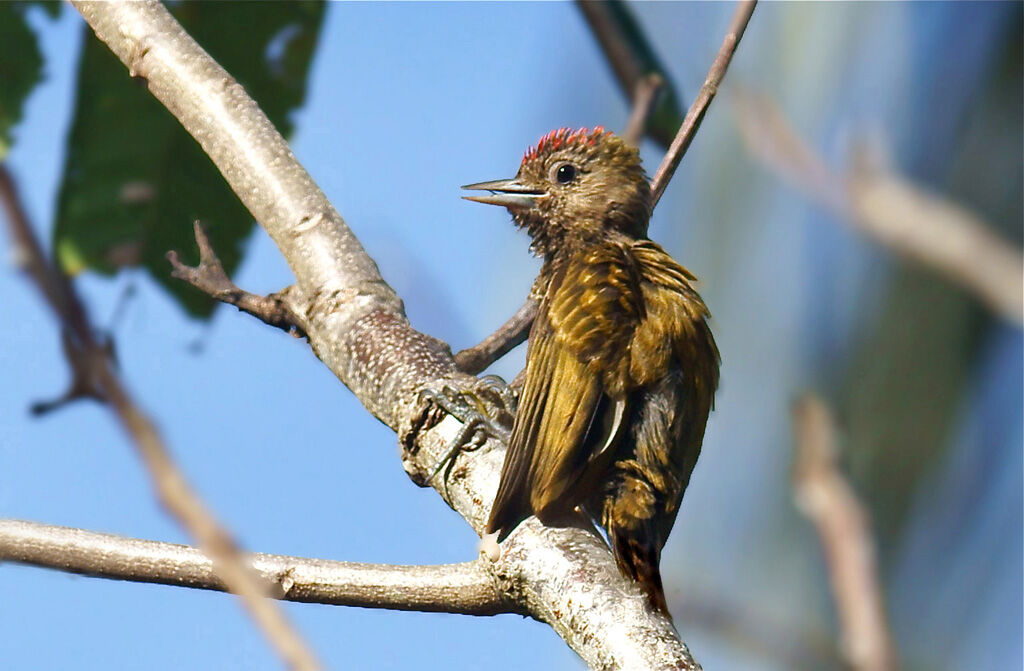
[[824, 496], [644, 99], [901, 216], [759, 632]]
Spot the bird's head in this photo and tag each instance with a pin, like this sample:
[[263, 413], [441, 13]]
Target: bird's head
[[574, 186]]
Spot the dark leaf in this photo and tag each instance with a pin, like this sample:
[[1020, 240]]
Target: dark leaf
[[21, 67], [135, 180]]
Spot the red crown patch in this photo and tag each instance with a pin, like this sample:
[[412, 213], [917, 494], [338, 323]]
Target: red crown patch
[[563, 137]]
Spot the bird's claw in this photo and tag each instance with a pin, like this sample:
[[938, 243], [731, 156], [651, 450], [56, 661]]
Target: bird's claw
[[486, 409]]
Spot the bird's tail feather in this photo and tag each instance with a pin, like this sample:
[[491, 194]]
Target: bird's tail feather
[[638, 557]]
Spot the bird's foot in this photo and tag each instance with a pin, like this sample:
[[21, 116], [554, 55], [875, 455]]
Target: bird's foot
[[486, 409]]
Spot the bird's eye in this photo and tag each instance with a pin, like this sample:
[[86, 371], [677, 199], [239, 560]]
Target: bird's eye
[[565, 173]]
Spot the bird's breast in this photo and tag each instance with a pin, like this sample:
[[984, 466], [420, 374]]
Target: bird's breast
[[626, 311]]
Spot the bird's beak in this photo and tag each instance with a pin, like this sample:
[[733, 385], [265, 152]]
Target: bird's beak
[[505, 192]]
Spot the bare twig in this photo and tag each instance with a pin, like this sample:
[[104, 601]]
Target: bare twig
[[356, 325], [644, 97], [210, 278], [467, 588], [699, 108], [498, 344], [901, 216], [824, 496], [94, 376], [29, 255], [273, 310]]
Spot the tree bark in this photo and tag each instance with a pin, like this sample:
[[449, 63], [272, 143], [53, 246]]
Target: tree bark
[[467, 588]]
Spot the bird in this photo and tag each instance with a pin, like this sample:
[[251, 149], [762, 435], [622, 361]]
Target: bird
[[621, 365]]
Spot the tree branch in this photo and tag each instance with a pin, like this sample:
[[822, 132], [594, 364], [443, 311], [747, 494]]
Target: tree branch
[[828, 501], [356, 325], [899, 215], [467, 588], [210, 278], [94, 376], [476, 359], [644, 98], [695, 115]]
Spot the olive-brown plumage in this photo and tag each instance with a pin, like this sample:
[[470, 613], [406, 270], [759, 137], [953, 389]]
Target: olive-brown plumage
[[621, 366]]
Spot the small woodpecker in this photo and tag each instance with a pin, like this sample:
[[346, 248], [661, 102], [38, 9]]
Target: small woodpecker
[[621, 366]]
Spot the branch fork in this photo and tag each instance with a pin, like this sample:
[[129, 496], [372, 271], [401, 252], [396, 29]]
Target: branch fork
[[210, 278]]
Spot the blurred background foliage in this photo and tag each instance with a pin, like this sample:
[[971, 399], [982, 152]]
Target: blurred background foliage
[[404, 103], [134, 179]]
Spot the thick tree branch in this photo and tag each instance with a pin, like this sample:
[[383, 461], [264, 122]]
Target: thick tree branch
[[828, 501], [210, 278], [700, 105], [896, 213], [356, 325], [94, 376], [468, 588]]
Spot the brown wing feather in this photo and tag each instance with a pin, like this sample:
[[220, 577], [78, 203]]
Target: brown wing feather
[[574, 399], [556, 412], [512, 503]]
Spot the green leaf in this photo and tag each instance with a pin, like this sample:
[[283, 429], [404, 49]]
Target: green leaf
[[135, 180], [21, 68]]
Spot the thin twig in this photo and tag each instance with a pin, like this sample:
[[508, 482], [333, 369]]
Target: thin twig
[[824, 496], [695, 115], [92, 370], [29, 255], [644, 98], [898, 214], [210, 278], [510, 334], [466, 589]]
